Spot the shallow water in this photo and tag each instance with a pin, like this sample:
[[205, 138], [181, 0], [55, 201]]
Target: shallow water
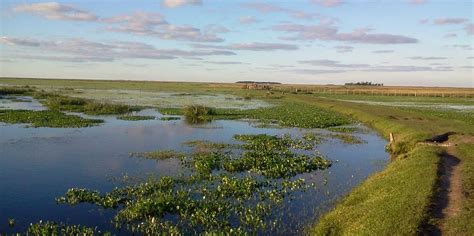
[[442, 106], [21, 103], [40, 164], [168, 99]]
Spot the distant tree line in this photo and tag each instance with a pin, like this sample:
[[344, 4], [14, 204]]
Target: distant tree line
[[364, 84], [256, 82]]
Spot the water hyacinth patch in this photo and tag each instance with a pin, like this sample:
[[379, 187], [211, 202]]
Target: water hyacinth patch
[[53, 119], [159, 155], [135, 118], [53, 228], [169, 118], [229, 188]]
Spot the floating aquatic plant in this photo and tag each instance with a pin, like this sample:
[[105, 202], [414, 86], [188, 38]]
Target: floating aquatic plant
[[54, 119], [135, 117], [160, 155]]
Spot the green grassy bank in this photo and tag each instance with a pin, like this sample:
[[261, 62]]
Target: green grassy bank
[[398, 199]]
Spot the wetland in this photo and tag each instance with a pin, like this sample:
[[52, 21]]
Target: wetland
[[94, 165]]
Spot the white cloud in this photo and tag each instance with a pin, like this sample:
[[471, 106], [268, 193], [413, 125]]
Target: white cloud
[[427, 58], [449, 21], [80, 50], [327, 3], [341, 67], [154, 24], [331, 33], [255, 46], [178, 3], [56, 11], [246, 20]]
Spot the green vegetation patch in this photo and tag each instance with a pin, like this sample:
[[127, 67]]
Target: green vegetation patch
[[285, 114], [159, 155], [15, 90], [168, 118], [344, 129], [208, 145], [394, 200], [271, 156], [197, 113], [347, 138], [53, 119], [208, 206], [86, 106], [52, 228], [224, 192], [135, 118]]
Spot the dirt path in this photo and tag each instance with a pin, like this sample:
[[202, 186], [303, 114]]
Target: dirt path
[[452, 182], [449, 194]]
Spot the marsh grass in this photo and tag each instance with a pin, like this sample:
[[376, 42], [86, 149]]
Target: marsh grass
[[208, 145], [347, 138], [287, 114], [86, 106], [344, 129], [53, 228], [169, 118], [52, 119], [135, 117], [15, 90], [197, 113], [158, 155]]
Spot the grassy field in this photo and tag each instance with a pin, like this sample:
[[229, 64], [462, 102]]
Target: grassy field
[[398, 200]]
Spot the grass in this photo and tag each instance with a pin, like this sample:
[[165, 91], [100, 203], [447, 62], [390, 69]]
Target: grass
[[158, 155], [197, 113], [90, 107], [394, 201], [208, 145], [287, 113], [52, 119], [347, 138], [463, 223], [168, 118], [14, 90], [135, 118], [344, 129]]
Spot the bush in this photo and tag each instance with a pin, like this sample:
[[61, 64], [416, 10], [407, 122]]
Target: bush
[[198, 112]]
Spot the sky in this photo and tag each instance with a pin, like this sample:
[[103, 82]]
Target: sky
[[394, 42]]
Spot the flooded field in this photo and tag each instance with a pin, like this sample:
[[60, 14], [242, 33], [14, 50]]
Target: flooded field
[[430, 105], [39, 165], [164, 98]]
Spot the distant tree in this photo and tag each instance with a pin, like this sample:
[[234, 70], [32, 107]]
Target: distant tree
[[364, 84]]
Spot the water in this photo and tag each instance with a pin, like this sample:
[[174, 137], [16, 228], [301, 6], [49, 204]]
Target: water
[[441, 106], [168, 99], [39, 164]]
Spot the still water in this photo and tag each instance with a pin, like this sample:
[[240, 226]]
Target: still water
[[39, 164]]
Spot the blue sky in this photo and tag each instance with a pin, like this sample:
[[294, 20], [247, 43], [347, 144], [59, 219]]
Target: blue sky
[[405, 42]]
